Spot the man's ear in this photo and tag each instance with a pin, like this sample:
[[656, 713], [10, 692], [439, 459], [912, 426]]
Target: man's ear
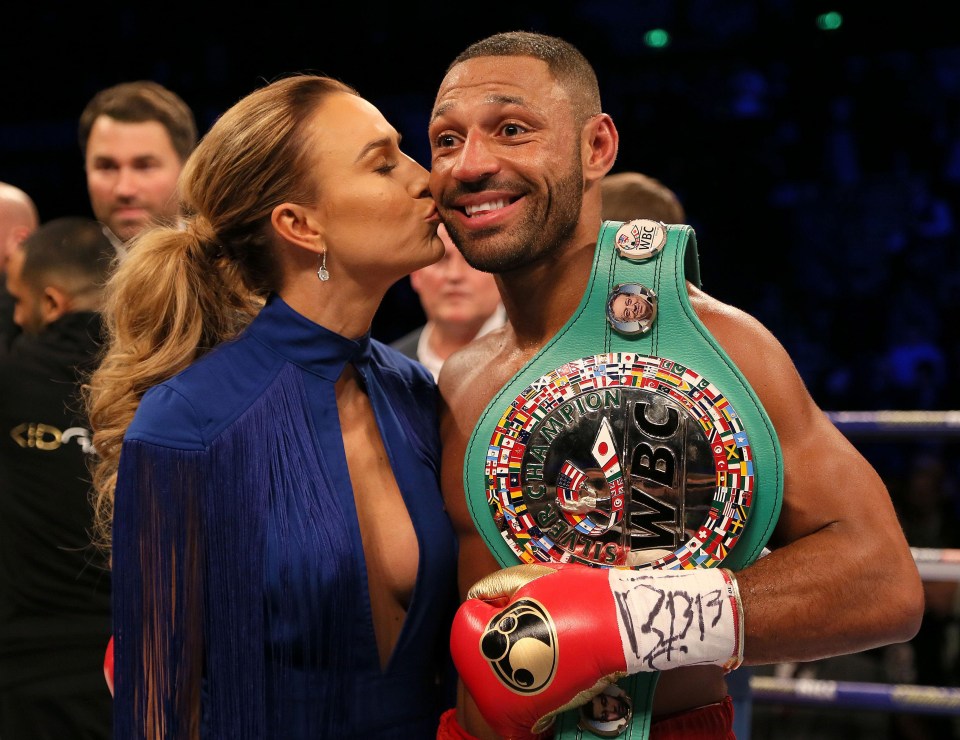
[[600, 143], [54, 303], [14, 237], [297, 225]]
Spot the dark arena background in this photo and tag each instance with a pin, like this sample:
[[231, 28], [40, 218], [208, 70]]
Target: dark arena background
[[816, 150]]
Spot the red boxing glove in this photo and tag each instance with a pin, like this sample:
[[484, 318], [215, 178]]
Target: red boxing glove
[[532, 641], [108, 666]]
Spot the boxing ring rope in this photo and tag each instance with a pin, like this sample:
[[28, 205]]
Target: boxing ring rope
[[934, 564], [896, 423], [856, 695]]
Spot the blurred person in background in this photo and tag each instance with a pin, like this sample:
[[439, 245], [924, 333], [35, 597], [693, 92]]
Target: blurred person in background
[[460, 304], [54, 589], [135, 138], [18, 218]]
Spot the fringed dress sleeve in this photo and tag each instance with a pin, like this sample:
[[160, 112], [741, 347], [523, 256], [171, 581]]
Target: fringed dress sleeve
[[157, 587]]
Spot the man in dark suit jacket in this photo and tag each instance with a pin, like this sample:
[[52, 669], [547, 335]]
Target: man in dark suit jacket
[[54, 589]]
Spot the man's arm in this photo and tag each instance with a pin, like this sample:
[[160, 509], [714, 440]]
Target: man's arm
[[468, 380], [841, 577]]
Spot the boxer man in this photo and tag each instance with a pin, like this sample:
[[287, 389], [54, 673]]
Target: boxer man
[[519, 146]]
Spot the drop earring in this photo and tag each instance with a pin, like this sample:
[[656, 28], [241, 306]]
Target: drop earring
[[322, 272]]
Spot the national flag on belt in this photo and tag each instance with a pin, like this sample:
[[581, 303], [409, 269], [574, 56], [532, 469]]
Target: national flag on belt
[[605, 453], [703, 559], [716, 548], [685, 401], [550, 402], [544, 542], [606, 380], [740, 497], [537, 413], [723, 426], [666, 375], [587, 382], [708, 389], [538, 554], [682, 385], [634, 379], [569, 481], [736, 523]]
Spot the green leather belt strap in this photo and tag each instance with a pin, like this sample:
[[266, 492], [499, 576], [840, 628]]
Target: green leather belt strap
[[676, 334]]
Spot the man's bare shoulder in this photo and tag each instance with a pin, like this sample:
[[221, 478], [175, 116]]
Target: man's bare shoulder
[[743, 337], [761, 358], [477, 367]]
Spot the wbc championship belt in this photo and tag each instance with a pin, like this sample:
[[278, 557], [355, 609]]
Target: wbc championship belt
[[629, 440]]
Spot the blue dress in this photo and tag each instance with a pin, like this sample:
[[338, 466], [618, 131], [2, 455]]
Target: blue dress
[[239, 578]]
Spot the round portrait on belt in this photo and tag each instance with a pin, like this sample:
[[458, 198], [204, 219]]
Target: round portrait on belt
[[608, 713], [632, 308]]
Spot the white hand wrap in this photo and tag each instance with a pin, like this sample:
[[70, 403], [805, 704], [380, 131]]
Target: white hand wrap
[[669, 619]]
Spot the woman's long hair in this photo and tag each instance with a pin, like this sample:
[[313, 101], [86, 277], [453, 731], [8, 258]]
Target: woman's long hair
[[182, 289]]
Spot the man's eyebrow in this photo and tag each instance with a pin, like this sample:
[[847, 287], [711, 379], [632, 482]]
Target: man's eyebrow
[[498, 99], [505, 99]]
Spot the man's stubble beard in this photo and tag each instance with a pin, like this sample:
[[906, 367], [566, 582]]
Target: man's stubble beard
[[537, 236]]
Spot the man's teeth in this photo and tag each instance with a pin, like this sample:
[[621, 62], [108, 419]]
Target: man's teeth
[[493, 205]]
